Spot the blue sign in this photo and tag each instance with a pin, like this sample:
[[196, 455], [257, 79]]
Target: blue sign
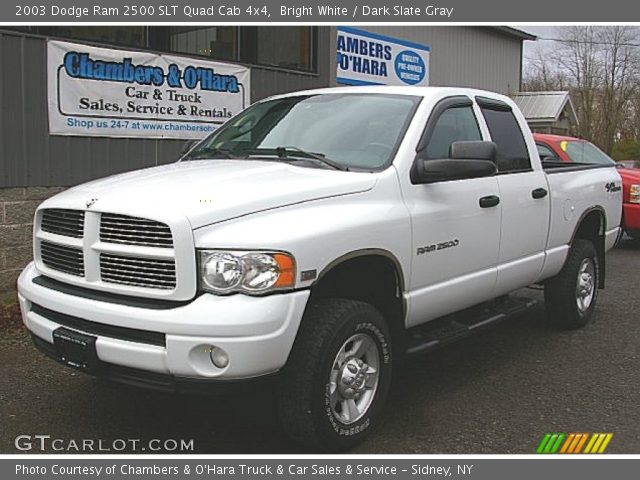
[[410, 67], [365, 58]]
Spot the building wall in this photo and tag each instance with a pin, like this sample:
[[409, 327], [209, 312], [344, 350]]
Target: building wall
[[478, 57], [17, 206], [29, 156]]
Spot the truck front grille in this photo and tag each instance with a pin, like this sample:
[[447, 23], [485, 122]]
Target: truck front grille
[[127, 230], [115, 253], [138, 272], [62, 258], [68, 223]]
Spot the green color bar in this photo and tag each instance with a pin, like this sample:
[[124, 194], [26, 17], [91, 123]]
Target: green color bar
[[550, 443], [543, 443], [559, 441]]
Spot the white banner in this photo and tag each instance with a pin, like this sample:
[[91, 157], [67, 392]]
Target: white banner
[[101, 92], [365, 58]]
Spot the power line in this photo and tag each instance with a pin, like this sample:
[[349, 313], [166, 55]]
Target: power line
[[585, 42]]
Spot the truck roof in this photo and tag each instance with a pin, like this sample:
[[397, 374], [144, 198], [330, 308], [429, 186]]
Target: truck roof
[[402, 90]]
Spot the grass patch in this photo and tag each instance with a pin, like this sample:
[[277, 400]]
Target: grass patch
[[9, 298]]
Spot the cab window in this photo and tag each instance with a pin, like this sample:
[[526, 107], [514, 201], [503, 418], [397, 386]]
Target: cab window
[[513, 155], [454, 124]]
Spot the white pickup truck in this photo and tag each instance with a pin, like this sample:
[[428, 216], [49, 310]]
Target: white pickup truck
[[314, 240]]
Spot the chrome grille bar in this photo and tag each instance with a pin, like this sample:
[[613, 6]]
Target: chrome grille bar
[[62, 258], [149, 273], [68, 223], [126, 230]]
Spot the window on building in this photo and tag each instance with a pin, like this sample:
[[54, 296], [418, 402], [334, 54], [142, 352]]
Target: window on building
[[293, 47], [454, 125], [513, 155], [135, 36], [218, 42], [285, 47]]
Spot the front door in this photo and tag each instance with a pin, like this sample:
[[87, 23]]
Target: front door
[[455, 239]]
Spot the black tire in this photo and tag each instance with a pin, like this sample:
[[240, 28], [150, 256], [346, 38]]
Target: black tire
[[634, 234], [304, 394], [561, 292]]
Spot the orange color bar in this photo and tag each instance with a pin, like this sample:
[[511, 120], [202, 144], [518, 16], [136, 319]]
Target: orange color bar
[[574, 444], [581, 442], [567, 442]]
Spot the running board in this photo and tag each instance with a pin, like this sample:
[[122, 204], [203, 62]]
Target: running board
[[451, 328]]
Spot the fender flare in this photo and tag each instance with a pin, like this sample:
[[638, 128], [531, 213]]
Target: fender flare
[[366, 252], [600, 245]]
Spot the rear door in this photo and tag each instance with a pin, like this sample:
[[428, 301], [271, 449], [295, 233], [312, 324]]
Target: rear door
[[455, 240], [524, 196]]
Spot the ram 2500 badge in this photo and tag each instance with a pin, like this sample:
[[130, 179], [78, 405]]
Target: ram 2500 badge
[[315, 239]]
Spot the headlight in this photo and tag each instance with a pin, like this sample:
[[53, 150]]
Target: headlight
[[248, 272], [634, 194]]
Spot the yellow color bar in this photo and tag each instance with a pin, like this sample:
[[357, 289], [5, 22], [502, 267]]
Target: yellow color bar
[[593, 439], [605, 442], [596, 445]]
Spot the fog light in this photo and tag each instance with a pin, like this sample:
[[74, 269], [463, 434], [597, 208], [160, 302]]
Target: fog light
[[219, 357]]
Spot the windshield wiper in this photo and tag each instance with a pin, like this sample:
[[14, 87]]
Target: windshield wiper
[[290, 152], [204, 153]]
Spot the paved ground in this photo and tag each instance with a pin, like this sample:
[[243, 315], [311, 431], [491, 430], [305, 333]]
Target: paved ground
[[498, 392]]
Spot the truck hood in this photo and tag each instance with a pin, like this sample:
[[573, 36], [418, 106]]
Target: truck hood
[[630, 175], [211, 191]]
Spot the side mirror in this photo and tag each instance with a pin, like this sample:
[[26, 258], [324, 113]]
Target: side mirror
[[468, 160], [474, 150], [187, 146]]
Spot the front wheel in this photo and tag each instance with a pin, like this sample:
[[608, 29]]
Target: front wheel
[[570, 297], [337, 376]]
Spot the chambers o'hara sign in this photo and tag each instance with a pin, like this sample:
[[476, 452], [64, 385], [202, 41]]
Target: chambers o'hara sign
[[105, 92]]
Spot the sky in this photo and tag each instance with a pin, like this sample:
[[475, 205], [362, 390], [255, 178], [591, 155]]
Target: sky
[[540, 31]]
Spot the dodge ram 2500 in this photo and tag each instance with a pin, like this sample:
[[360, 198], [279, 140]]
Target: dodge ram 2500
[[315, 239]]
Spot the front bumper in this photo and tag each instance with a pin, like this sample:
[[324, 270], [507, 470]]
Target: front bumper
[[256, 332], [631, 215]]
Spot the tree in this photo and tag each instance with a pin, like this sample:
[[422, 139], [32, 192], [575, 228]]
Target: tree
[[541, 75], [577, 55], [599, 67]]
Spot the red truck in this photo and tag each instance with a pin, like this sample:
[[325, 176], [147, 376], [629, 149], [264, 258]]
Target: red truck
[[556, 148]]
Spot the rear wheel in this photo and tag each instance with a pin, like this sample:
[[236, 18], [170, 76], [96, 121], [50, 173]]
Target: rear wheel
[[337, 376], [570, 297]]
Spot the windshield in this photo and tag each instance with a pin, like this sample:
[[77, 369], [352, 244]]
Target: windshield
[[359, 131], [585, 152]]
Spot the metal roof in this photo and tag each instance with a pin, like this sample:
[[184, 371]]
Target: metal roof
[[545, 106], [515, 32]]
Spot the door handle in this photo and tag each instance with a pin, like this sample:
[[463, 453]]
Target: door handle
[[489, 201], [539, 193]]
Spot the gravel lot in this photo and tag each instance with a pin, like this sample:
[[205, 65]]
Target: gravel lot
[[497, 392]]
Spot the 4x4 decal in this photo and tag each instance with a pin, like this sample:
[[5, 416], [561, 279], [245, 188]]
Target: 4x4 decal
[[611, 187]]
